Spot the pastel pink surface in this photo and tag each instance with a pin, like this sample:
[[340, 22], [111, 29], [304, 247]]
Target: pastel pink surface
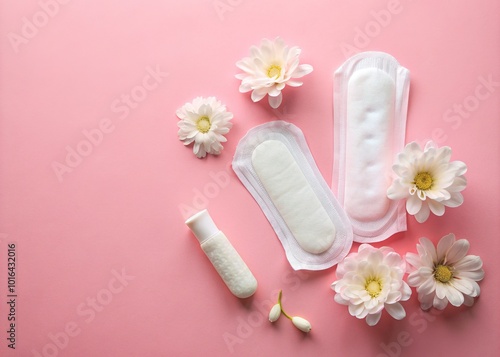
[[119, 212]]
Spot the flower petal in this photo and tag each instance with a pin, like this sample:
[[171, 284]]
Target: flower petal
[[455, 200], [198, 150], [406, 292], [459, 167], [476, 275], [468, 301], [393, 297], [274, 92], [440, 304], [444, 178], [463, 285], [396, 310], [373, 319], [258, 94], [458, 185], [280, 86], [440, 290], [355, 309], [245, 65], [443, 153], [422, 215], [413, 205], [413, 259], [430, 144], [293, 83], [275, 102], [455, 297], [444, 245], [340, 300], [427, 287], [468, 263], [397, 190], [429, 248], [457, 251], [426, 300], [414, 279], [245, 87], [302, 70], [436, 207], [392, 259], [426, 272]]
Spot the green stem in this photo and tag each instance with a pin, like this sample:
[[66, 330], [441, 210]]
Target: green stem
[[281, 306]]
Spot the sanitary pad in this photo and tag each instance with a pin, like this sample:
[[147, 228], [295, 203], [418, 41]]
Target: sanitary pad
[[274, 163], [370, 105]]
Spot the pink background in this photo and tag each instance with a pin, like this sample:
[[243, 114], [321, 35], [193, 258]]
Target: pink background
[[120, 208]]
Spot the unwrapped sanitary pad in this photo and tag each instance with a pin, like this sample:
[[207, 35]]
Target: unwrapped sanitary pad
[[370, 105], [274, 163]]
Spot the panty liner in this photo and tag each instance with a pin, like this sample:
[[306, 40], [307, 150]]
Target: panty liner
[[370, 106], [274, 163]]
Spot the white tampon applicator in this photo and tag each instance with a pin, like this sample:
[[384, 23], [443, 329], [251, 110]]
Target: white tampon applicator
[[225, 259]]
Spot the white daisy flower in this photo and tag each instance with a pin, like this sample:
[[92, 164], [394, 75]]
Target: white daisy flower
[[269, 69], [428, 180], [445, 274], [371, 280], [205, 121]]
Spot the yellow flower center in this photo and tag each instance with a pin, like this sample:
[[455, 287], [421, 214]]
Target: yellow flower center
[[373, 287], [443, 273], [203, 124], [423, 181], [274, 71]]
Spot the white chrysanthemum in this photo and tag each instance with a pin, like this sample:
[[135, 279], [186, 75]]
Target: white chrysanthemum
[[371, 280], [428, 180], [445, 274], [204, 121], [269, 69]]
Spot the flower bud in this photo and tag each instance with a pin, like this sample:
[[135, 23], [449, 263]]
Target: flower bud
[[301, 323], [275, 313]]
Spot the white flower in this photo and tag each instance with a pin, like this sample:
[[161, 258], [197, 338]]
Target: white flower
[[204, 121], [371, 280], [428, 180], [275, 313], [269, 69], [301, 323], [445, 274]]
